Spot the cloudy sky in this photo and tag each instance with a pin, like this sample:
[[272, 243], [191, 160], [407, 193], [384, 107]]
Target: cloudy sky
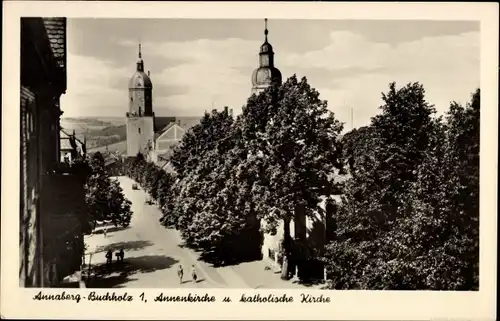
[[195, 63]]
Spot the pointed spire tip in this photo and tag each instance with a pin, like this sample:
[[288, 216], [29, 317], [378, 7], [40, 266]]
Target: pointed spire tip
[[265, 30]]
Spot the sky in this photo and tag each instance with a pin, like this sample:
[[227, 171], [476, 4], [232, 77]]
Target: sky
[[199, 63]]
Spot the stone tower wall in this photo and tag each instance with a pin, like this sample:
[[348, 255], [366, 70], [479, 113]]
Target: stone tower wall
[[140, 130], [137, 101]]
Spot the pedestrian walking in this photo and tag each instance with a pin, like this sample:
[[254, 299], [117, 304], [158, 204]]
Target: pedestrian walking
[[119, 256], [193, 274], [109, 257], [180, 273], [105, 231]]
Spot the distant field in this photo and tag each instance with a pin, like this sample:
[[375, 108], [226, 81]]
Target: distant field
[[85, 124], [99, 131], [120, 147]]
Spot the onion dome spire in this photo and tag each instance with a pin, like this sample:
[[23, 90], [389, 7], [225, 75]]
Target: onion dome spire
[[140, 62], [266, 32], [266, 73], [140, 79]]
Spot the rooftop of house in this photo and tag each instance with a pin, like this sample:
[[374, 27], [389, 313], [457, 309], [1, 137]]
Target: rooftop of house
[[56, 32], [162, 124]]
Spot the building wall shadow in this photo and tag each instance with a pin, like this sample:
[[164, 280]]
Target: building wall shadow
[[246, 246], [126, 246], [117, 275]]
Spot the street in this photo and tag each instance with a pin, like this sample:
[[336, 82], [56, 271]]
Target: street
[[153, 253]]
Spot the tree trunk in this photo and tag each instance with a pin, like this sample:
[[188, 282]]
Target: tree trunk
[[285, 275]]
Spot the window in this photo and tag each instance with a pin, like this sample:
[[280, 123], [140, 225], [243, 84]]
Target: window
[[139, 130], [28, 125], [31, 125]]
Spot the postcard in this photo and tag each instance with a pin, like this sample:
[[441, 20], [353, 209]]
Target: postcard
[[206, 160]]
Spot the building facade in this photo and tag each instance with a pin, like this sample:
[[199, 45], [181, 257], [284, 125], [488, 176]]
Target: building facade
[[266, 74], [51, 192], [140, 116], [168, 137]]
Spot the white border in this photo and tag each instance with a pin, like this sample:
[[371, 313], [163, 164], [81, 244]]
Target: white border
[[372, 305]]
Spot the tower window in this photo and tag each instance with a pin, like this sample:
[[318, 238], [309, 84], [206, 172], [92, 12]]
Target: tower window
[[131, 98], [139, 130]]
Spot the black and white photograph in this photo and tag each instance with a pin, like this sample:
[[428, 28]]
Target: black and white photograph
[[249, 153], [225, 153]]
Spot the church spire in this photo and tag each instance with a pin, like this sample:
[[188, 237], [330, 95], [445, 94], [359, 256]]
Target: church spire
[[140, 62], [266, 74], [266, 50], [265, 30]]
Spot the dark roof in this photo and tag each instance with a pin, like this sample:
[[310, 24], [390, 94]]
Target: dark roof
[[56, 32], [140, 80], [164, 123], [158, 133], [120, 147]]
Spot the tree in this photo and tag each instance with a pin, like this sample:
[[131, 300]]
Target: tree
[[150, 174], [97, 188], [376, 196], [354, 145], [138, 167], [206, 202], [119, 206], [161, 187], [189, 160], [293, 144], [450, 189], [398, 226], [104, 198], [197, 140]]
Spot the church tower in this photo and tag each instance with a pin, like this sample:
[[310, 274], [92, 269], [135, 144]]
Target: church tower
[[266, 74], [140, 116]]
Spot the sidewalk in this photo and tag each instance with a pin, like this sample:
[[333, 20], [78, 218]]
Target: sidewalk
[[223, 278], [257, 276]]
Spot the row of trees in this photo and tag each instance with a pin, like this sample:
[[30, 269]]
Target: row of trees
[[274, 162], [153, 179], [409, 217], [409, 214], [104, 196]]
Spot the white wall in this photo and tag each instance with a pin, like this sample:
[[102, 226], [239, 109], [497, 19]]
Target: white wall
[[273, 241]]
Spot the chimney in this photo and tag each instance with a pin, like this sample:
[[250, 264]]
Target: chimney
[[149, 74], [226, 109], [231, 113]]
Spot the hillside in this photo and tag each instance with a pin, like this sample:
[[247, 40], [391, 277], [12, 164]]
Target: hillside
[[120, 147], [98, 131]]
